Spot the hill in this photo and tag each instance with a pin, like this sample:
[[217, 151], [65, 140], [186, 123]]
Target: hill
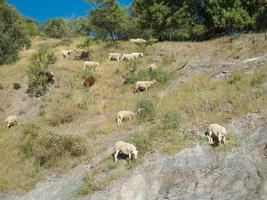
[[218, 81]]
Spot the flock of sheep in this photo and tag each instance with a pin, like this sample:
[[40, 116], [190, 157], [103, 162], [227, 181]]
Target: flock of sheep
[[214, 131]]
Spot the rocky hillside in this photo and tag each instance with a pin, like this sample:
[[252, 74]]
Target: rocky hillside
[[220, 81]]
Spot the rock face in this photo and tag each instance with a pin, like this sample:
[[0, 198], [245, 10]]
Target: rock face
[[199, 173]]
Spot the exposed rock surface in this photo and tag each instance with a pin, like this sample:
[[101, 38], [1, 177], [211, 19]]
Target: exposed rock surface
[[199, 173]]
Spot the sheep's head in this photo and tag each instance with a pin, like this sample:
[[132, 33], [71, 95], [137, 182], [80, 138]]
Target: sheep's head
[[141, 54], [135, 152], [154, 81], [69, 52]]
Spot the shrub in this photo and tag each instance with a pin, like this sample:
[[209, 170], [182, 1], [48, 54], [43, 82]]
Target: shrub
[[145, 109], [58, 28], [161, 76], [45, 146], [16, 86], [14, 35], [89, 185], [38, 74], [170, 121]]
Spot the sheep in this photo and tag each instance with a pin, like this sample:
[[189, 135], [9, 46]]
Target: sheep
[[11, 121], [114, 56], [138, 40], [90, 64], [143, 85], [152, 67], [125, 148], [127, 57], [215, 130], [124, 115], [65, 53], [137, 54], [88, 82]]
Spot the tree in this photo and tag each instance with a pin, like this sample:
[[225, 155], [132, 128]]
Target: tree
[[13, 33], [58, 28], [107, 19], [81, 26]]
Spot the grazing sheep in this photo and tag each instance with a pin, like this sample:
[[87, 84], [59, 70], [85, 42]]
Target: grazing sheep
[[11, 121], [152, 67], [90, 64], [127, 57], [137, 54], [124, 115], [65, 53], [114, 56], [143, 85], [88, 82], [138, 40], [215, 130], [125, 148]]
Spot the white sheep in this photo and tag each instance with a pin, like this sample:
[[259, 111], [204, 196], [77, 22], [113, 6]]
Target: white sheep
[[215, 130], [125, 148], [143, 85], [137, 54], [65, 53], [114, 56], [90, 64], [127, 57], [11, 121], [138, 40], [122, 115], [152, 67]]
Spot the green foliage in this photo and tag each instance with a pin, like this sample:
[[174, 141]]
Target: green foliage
[[14, 35], [145, 110], [181, 20], [16, 86], [171, 121], [47, 147], [160, 75], [58, 28], [81, 26], [142, 141], [32, 27], [38, 69], [107, 19], [89, 185]]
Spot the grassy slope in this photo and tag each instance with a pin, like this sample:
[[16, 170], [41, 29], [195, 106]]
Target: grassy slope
[[190, 94]]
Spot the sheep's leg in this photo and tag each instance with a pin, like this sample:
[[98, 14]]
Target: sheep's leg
[[130, 155], [115, 156], [223, 139]]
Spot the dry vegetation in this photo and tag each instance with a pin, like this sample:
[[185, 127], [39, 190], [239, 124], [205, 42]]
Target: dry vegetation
[[71, 118]]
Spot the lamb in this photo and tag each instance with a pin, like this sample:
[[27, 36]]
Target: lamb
[[138, 40], [65, 53], [127, 57], [90, 64], [124, 115], [114, 56], [143, 85], [11, 121], [152, 67], [137, 54], [215, 130], [125, 148]]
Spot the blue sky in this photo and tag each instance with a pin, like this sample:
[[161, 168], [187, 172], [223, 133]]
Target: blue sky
[[41, 10]]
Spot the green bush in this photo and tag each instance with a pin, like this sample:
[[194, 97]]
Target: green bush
[[14, 35], [145, 109], [16, 86], [46, 147], [58, 28], [160, 75], [38, 74], [170, 121]]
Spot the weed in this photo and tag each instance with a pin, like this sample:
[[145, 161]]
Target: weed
[[89, 185], [16, 86], [145, 109]]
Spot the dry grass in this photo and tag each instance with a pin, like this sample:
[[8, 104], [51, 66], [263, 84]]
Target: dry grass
[[191, 96]]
